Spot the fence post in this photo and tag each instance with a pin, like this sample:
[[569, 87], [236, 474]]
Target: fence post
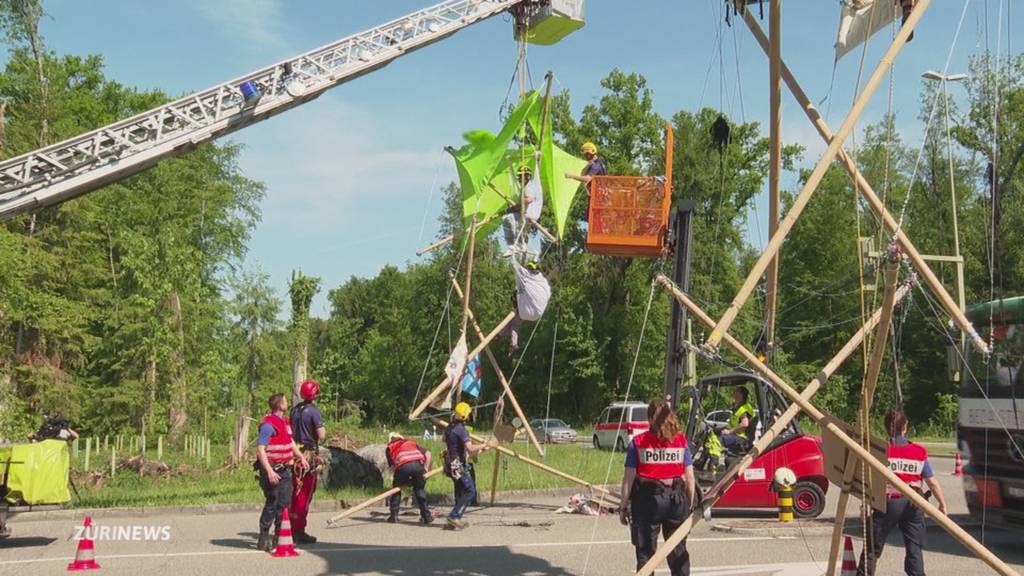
[[113, 461], [207, 452], [87, 454], [74, 450], [160, 448]]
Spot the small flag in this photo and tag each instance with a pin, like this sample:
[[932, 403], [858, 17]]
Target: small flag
[[472, 381]]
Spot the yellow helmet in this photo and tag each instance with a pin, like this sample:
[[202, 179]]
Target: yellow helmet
[[462, 410], [588, 148], [524, 169]]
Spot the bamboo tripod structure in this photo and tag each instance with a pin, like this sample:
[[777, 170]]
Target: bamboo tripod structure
[[802, 401]]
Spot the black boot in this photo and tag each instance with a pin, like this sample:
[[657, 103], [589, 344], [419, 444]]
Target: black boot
[[392, 518], [263, 542]]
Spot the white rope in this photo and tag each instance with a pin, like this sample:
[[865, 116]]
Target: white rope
[[622, 416], [430, 198]]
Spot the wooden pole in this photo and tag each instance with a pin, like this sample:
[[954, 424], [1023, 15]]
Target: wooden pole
[[899, 485], [378, 498], [863, 418], [440, 388], [501, 375], [722, 326], [774, 167], [928, 277], [516, 455], [729, 477], [160, 448], [113, 461], [494, 476], [87, 450], [206, 451]]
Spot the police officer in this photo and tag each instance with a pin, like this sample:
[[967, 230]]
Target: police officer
[[658, 486], [410, 462], [275, 454], [458, 448], [909, 461]]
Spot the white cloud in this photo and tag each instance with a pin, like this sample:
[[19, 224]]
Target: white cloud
[[255, 23]]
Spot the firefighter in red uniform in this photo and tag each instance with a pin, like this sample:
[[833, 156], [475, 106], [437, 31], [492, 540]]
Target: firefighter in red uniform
[[909, 461], [275, 453], [308, 431], [410, 462], [659, 487]]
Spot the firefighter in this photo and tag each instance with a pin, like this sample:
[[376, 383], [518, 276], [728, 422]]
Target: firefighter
[[658, 486], [308, 431], [275, 453], [909, 461], [458, 448], [410, 462]]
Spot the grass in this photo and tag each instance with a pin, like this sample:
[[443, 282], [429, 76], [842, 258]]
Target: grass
[[194, 483]]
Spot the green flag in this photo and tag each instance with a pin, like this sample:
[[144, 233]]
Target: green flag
[[555, 162]]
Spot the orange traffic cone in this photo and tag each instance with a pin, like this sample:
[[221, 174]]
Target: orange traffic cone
[[849, 560], [285, 546], [958, 466], [85, 558]]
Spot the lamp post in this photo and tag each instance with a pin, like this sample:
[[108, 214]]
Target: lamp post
[[945, 79]]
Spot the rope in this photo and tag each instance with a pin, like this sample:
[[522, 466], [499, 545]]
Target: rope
[[629, 388], [430, 198]]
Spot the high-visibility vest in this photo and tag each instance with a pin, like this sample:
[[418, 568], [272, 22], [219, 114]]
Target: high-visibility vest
[[658, 459], [279, 449], [402, 452], [737, 416], [907, 462]]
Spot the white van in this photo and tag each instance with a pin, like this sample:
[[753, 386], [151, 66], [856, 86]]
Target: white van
[[619, 423]]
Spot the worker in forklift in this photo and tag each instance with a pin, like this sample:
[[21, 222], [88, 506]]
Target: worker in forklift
[[734, 435], [658, 487], [909, 461]]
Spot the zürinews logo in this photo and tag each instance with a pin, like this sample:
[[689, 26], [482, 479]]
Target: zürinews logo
[[131, 533]]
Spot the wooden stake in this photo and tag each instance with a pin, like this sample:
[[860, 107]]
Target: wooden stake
[[113, 461], [160, 448], [899, 485], [501, 375], [494, 476], [440, 388], [775, 166], [88, 445], [206, 452], [891, 225], [870, 382], [378, 498], [800, 202]]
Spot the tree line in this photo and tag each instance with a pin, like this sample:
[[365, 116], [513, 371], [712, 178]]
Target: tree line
[[130, 308]]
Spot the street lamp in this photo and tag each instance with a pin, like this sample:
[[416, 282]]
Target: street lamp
[[945, 79]]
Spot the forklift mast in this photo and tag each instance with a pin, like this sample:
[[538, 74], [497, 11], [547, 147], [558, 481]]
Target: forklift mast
[[676, 357]]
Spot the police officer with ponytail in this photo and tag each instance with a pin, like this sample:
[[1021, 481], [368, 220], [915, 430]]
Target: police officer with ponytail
[[909, 461], [658, 487]]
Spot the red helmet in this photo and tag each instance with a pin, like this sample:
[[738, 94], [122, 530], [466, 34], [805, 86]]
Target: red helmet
[[309, 390]]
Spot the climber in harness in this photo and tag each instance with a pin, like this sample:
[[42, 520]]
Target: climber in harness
[[518, 232], [530, 299], [308, 431], [458, 448]]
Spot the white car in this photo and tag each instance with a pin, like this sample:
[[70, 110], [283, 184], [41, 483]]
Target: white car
[[619, 423]]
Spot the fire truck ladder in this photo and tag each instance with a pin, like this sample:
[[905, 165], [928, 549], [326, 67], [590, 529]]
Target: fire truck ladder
[[81, 164]]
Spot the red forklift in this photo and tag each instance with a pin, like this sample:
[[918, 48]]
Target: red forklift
[[710, 406]]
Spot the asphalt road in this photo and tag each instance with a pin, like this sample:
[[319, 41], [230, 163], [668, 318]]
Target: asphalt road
[[523, 537]]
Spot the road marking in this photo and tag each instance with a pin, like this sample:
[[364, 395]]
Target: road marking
[[391, 549], [788, 569]]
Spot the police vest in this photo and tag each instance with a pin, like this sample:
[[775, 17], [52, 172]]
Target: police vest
[[745, 410], [658, 459], [279, 449], [402, 452], [907, 462]]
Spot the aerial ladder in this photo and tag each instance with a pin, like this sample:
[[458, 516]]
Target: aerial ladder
[[81, 164]]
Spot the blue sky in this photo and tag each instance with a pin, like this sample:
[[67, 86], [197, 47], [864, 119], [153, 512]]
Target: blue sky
[[352, 176]]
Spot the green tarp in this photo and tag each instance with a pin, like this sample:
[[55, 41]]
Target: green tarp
[[486, 168], [37, 473]]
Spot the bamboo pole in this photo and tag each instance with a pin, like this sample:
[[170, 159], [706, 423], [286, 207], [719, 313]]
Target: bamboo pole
[[475, 352], [870, 382], [721, 328], [501, 375], [899, 485], [928, 277], [774, 167], [494, 476], [729, 478], [378, 498], [516, 455]]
